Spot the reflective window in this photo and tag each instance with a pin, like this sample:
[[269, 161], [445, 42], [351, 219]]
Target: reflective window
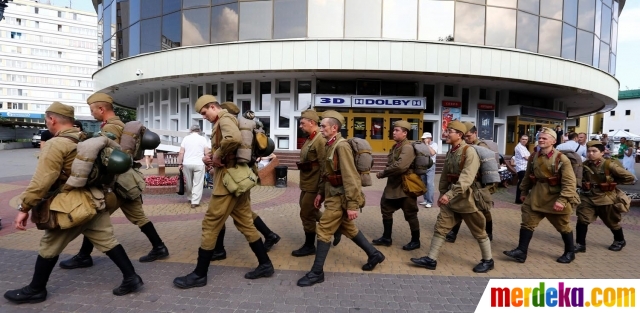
[[106, 24], [550, 37], [531, 6], [469, 23], [150, 8], [503, 3], [289, 19], [436, 20], [605, 31], [171, 30], [255, 21], [123, 18], [551, 8], [570, 12], [607, 2], [265, 96], [614, 37], [134, 39], [150, 35], [568, 41], [217, 2], [596, 52], [327, 20], [612, 64], [363, 18], [615, 10], [477, 1], [527, 32], [584, 47], [586, 14], [224, 23], [123, 43], [195, 26], [304, 95], [134, 11], [501, 27], [598, 23], [106, 53], [169, 6], [194, 3], [284, 113], [399, 19], [604, 57]]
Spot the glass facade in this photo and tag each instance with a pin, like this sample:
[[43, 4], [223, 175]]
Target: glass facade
[[580, 30]]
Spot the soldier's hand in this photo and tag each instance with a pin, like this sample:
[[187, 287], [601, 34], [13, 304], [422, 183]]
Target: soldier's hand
[[21, 221], [444, 200], [522, 198], [207, 160], [216, 161], [558, 206], [317, 202], [352, 215]]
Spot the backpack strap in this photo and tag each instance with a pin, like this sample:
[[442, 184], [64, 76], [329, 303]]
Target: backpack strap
[[334, 156], [463, 158], [607, 170], [74, 139]]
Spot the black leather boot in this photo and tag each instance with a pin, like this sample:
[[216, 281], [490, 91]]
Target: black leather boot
[[385, 240], [197, 278], [159, 250], [520, 253], [336, 237], [415, 241], [375, 257], [316, 275], [484, 266], [265, 268], [581, 238], [131, 281], [452, 235], [308, 248], [36, 291], [618, 240], [569, 255], [270, 238], [219, 253], [489, 229], [82, 259], [426, 262]]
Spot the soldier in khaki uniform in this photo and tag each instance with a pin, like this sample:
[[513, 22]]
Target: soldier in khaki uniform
[[457, 185], [52, 172], [471, 138], [340, 189], [399, 162], [270, 237], [547, 192], [101, 106], [599, 194], [226, 139]]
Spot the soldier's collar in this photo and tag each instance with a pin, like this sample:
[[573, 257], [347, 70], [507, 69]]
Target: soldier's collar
[[332, 140], [312, 135], [456, 147], [548, 155]]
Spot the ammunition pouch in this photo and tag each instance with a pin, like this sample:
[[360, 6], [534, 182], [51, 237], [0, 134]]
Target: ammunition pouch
[[553, 181], [239, 179], [306, 166], [607, 186], [533, 179], [586, 186], [335, 180]]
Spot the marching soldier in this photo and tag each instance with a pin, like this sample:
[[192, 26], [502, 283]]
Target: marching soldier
[[226, 139], [548, 191], [471, 138], [399, 162], [340, 189], [456, 200], [51, 173], [101, 106], [599, 196]]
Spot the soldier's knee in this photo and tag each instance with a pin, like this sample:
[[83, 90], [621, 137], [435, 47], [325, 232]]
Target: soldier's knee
[[528, 226], [49, 253]]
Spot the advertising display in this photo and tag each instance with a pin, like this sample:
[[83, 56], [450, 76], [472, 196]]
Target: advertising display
[[451, 111]]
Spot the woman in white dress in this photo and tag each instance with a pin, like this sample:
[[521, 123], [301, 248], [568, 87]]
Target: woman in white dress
[[148, 158], [629, 160]]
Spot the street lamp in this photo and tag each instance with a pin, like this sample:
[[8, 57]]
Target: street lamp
[[3, 5]]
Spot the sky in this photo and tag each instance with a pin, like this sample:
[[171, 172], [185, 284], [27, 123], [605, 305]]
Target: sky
[[628, 58]]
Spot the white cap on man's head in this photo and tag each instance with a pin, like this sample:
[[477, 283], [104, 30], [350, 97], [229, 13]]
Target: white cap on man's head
[[426, 135]]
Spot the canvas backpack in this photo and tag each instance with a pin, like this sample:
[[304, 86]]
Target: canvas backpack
[[362, 158], [423, 161], [488, 170], [574, 158], [255, 142]]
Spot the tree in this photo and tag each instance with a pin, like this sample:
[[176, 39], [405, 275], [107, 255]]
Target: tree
[[125, 114]]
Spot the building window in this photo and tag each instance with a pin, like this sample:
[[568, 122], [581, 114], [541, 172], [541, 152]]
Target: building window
[[578, 122], [229, 93], [284, 87], [283, 142], [613, 113], [265, 96], [200, 91], [16, 35], [19, 21], [429, 93], [484, 94], [246, 88], [284, 113], [245, 106], [398, 89], [368, 87], [36, 10], [184, 92], [627, 130], [304, 95], [465, 101], [497, 112], [266, 124], [627, 112], [332, 87], [449, 91], [59, 28], [164, 94]]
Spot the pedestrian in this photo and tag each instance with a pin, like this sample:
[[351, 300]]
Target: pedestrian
[[101, 106], [471, 138], [629, 159], [399, 162], [521, 157], [456, 200], [429, 177], [573, 144], [340, 189], [559, 135], [52, 173], [226, 139], [547, 194], [600, 195], [192, 149], [148, 158], [607, 146]]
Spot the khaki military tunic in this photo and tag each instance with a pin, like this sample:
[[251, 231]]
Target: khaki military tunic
[[399, 162], [461, 204], [339, 199], [52, 171], [597, 203], [312, 151], [225, 140], [541, 197]]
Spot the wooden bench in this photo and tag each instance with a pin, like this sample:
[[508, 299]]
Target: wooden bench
[[166, 159]]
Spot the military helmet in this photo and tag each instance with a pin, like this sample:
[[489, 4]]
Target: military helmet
[[271, 146], [149, 140], [118, 162]]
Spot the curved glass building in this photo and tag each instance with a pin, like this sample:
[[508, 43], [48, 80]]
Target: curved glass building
[[510, 66]]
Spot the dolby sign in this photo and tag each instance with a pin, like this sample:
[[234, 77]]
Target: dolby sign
[[413, 103]]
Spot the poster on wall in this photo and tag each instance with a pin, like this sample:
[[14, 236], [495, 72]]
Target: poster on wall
[[451, 111], [485, 124]]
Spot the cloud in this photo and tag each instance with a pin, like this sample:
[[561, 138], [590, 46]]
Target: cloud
[[629, 25]]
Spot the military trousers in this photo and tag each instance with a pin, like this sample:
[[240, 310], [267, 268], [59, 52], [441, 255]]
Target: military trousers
[[132, 210], [409, 207], [220, 208], [335, 218], [447, 219], [309, 215], [98, 230], [531, 219], [588, 214]]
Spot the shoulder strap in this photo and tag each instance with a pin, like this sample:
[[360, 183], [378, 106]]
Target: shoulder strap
[[334, 155], [578, 148], [556, 162], [74, 139], [464, 157], [607, 170]]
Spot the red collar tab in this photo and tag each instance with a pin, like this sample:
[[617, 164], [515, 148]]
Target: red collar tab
[[331, 141], [549, 155], [103, 123], [455, 148], [312, 136]]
